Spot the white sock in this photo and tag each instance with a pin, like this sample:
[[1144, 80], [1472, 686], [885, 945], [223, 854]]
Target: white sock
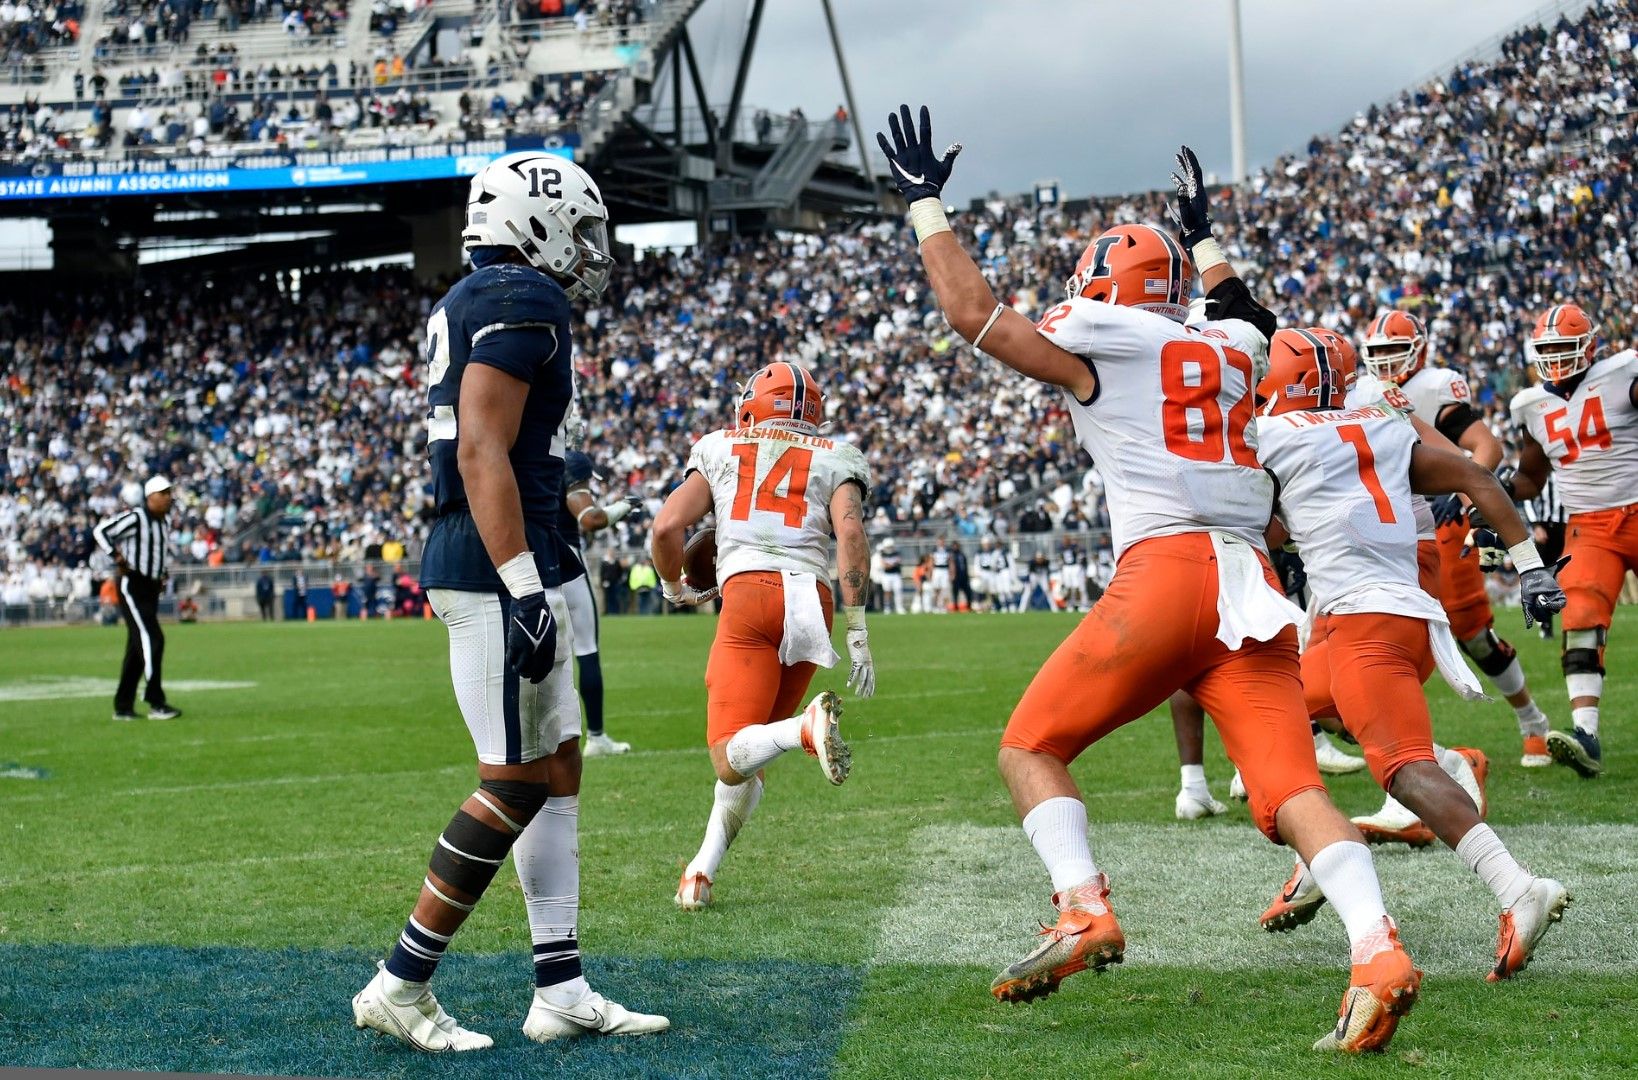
[[1347, 877], [1489, 858], [730, 810], [547, 858], [1194, 781], [1532, 721], [1586, 719], [401, 991], [753, 747], [1459, 769], [1511, 679], [1057, 828]]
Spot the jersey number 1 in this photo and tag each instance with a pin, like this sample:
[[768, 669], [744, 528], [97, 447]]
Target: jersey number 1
[[1355, 436], [790, 468]]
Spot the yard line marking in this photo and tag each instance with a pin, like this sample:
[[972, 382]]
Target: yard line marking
[[61, 687], [1189, 896]]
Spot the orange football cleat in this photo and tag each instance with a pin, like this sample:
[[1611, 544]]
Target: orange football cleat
[[1524, 924], [1086, 935], [693, 892], [1481, 772], [1536, 754], [1296, 905], [1380, 991]]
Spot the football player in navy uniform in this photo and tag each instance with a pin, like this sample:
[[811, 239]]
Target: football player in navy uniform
[[499, 383], [580, 514]]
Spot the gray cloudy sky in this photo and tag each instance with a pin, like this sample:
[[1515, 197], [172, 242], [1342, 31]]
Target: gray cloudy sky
[[1098, 93]]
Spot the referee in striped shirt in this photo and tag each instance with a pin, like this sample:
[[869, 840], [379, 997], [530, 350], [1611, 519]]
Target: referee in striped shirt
[[136, 542]]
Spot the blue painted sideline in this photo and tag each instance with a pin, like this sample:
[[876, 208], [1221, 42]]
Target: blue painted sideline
[[287, 1012]]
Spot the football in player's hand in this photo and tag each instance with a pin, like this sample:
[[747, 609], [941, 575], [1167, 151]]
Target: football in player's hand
[[700, 559]]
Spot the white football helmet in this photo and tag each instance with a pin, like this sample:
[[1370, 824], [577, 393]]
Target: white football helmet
[[548, 208]]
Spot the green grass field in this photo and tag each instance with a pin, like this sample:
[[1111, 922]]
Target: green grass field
[[206, 894]]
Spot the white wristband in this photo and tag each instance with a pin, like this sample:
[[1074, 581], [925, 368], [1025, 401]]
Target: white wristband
[[854, 617], [927, 218], [616, 510], [1207, 254], [520, 576], [1525, 556]]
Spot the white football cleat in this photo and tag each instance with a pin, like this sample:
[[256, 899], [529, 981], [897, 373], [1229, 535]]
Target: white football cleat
[[1192, 807], [1331, 760], [422, 1023], [822, 740], [1523, 925], [603, 746], [1237, 788], [593, 1014], [693, 892], [1395, 823]]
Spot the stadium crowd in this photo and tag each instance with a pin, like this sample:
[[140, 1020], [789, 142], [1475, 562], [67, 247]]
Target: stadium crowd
[[1474, 200]]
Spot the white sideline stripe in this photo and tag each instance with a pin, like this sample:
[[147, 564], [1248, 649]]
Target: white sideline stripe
[[1189, 896], [858, 742], [55, 688], [911, 695]]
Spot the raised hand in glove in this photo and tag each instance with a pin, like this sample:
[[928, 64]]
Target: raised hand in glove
[[682, 594], [918, 170], [1191, 212], [1446, 508], [531, 638]]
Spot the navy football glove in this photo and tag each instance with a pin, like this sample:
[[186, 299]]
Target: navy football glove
[[531, 638], [1191, 213], [917, 170], [1446, 508], [1540, 594]]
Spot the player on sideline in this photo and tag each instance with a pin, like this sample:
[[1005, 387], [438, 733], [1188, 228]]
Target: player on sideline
[[780, 492], [1163, 410], [498, 385], [1581, 425], [580, 515], [1395, 351], [1345, 479]]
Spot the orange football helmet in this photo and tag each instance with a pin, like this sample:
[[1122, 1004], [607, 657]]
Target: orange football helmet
[[1141, 266], [1396, 346], [1561, 343], [781, 393], [1307, 369]]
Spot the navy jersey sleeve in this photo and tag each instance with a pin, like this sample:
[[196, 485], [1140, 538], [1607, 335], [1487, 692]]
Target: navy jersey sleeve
[[513, 318]]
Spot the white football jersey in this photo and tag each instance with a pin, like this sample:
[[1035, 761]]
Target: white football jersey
[[1168, 424], [1432, 389], [1591, 439], [771, 488], [1345, 495], [1370, 390]]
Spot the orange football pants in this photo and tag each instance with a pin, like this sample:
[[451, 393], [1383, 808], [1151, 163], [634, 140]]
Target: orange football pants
[[1373, 666], [1316, 659], [1461, 585], [1603, 546], [1153, 633], [744, 681]]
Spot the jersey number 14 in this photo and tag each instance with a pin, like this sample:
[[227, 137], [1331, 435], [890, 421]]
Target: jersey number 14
[[790, 470]]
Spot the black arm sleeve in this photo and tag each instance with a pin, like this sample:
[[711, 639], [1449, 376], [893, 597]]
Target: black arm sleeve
[[1232, 300], [1455, 419]]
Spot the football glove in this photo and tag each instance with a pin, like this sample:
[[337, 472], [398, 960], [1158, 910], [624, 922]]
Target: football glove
[[917, 170], [531, 638], [1540, 594], [619, 508], [861, 677], [1446, 509], [1491, 551], [682, 594], [1191, 212]]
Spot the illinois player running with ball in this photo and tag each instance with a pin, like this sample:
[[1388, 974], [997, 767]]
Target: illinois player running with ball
[[1345, 478], [779, 491], [1163, 409], [1582, 424], [1395, 351], [499, 383]]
